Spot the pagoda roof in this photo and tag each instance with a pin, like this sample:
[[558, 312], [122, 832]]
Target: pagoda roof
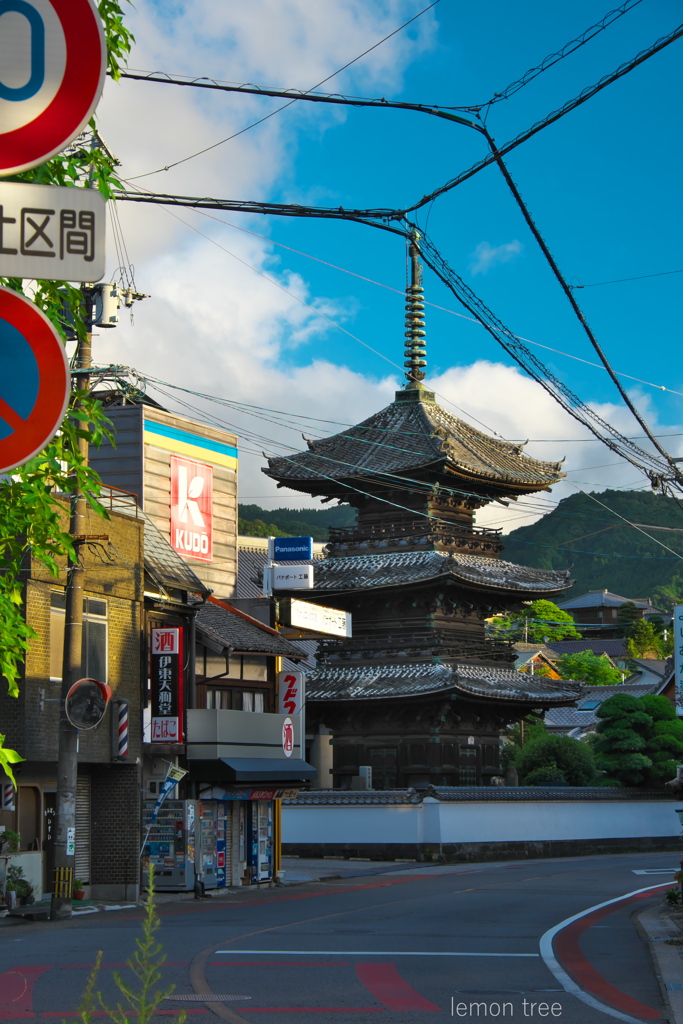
[[401, 568], [409, 679], [409, 435]]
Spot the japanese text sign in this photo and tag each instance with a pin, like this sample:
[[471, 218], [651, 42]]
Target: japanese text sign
[[677, 626], [292, 577], [51, 232], [192, 508], [290, 692], [166, 679]]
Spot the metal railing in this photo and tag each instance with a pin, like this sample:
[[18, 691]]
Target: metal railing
[[470, 643], [419, 526]]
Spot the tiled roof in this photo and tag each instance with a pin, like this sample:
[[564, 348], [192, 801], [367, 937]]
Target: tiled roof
[[612, 648], [406, 436], [575, 718], [476, 794], [345, 797], [228, 626], [162, 563], [362, 572], [407, 679], [603, 599]]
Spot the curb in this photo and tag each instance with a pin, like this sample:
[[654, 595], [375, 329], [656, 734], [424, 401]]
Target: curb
[[665, 940]]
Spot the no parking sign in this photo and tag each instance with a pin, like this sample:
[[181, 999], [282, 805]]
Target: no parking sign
[[52, 67], [34, 380]]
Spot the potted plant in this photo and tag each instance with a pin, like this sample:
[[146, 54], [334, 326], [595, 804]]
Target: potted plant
[[19, 885], [9, 841], [78, 891]]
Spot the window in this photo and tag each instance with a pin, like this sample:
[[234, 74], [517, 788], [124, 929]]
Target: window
[[590, 705], [233, 698], [94, 637]]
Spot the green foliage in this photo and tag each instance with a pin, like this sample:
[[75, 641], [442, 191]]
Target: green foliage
[[30, 525], [142, 998], [13, 840], [294, 522], [645, 641], [8, 757], [518, 735], [673, 897], [640, 739], [17, 883], [616, 557], [547, 775], [558, 755], [593, 669], [537, 621]]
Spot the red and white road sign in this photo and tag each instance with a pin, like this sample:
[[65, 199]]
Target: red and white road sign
[[34, 380], [53, 60], [192, 508]]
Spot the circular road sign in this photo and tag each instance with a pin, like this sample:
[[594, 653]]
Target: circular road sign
[[34, 380], [86, 703], [53, 58]]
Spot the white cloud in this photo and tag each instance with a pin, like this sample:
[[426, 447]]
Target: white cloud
[[486, 256]]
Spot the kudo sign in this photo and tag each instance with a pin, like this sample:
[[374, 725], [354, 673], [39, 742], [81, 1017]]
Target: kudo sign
[[52, 67], [34, 380], [192, 508]]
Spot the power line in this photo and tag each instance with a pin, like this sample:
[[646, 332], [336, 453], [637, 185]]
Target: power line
[[285, 105], [565, 51], [574, 304], [620, 280], [566, 108]]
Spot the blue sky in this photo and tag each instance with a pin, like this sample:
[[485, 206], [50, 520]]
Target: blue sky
[[603, 185]]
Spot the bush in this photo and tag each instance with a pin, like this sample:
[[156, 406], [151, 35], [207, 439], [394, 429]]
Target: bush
[[640, 740], [570, 758], [548, 775]]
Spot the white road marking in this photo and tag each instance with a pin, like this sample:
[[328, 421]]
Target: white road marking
[[654, 871], [361, 952], [568, 984]]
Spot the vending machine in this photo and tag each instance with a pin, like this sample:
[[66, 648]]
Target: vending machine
[[170, 844]]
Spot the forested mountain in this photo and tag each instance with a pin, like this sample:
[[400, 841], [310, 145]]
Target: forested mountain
[[604, 553], [255, 521]]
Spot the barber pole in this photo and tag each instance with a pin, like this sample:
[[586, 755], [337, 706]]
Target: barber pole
[[7, 796], [120, 737]]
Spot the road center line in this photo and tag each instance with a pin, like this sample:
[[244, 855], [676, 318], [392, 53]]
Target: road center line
[[350, 952]]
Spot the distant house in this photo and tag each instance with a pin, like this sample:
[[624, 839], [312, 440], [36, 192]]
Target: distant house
[[601, 608], [615, 649], [536, 659], [582, 719]]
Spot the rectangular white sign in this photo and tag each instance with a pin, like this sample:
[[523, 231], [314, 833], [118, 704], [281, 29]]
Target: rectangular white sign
[[677, 626], [292, 577], [319, 619], [290, 692], [51, 232]]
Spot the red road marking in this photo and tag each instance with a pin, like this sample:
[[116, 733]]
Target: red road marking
[[569, 953], [389, 988], [16, 992], [128, 1013], [312, 1009]]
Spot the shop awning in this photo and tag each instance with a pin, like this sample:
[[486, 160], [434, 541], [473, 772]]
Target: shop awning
[[253, 769]]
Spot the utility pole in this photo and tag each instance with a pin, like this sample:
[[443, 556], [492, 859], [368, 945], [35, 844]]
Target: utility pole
[[72, 670]]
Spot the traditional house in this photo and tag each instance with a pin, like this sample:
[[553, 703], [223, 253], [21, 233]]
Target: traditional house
[[420, 693]]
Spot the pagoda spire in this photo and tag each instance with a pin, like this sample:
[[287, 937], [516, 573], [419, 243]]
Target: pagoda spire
[[415, 351]]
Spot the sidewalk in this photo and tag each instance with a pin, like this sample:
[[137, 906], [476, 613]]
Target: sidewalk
[[662, 927], [305, 869]]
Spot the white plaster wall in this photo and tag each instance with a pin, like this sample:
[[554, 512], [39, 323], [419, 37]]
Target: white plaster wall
[[31, 864], [479, 822], [354, 824]]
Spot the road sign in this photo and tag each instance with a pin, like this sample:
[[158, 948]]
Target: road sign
[[86, 703], [52, 67], [292, 549], [51, 232], [34, 380]]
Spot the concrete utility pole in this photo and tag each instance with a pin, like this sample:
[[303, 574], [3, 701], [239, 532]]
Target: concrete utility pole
[[72, 670]]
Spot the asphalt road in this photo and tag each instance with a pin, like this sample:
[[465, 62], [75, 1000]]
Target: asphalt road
[[459, 942]]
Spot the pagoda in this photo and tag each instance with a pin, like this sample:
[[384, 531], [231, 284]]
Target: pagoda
[[420, 693]]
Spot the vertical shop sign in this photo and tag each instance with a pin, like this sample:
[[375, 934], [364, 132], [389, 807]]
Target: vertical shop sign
[[166, 677], [290, 692], [677, 626], [192, 508]]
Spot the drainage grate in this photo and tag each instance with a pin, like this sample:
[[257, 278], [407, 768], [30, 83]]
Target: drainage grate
[[208, 997]]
